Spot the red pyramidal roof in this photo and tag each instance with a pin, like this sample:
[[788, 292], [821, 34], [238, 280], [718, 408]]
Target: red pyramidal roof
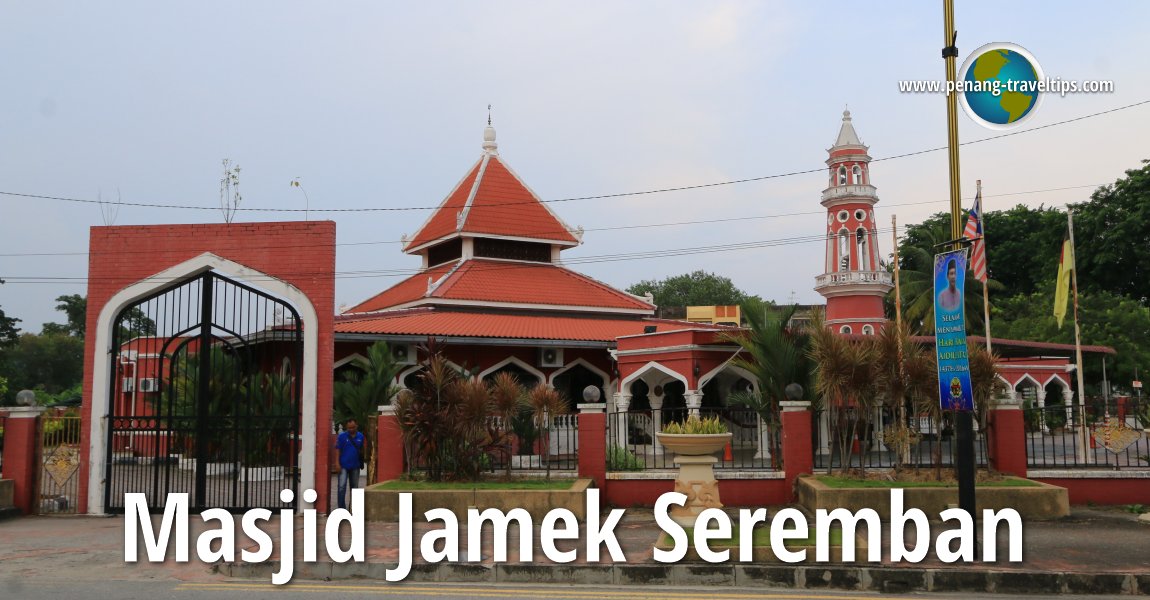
[[492, 201], [506, 284]]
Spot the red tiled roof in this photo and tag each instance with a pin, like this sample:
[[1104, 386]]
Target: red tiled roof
[[409, 290], [531, 327], [500, 205], [486, 281]]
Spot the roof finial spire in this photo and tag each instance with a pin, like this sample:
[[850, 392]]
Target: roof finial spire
[[489, 145]]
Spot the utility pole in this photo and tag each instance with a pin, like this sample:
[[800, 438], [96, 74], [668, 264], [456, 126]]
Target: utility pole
[[964, 419]]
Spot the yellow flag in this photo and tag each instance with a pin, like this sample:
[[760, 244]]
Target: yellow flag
[[1062, 286]]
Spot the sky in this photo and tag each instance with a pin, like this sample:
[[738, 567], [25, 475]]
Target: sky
[[383, 104]]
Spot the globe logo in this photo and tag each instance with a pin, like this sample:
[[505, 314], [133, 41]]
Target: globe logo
[[999, 85]]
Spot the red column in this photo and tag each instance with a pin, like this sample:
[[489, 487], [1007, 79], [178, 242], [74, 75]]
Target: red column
[[593, 444], [798, 453], [21, 465], [1006, 441], [388, 447]]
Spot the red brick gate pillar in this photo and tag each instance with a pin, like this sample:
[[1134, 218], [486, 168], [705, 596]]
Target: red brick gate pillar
[[593, 444], [1006, 437], [21, 460], [388, 445], [798, 451]]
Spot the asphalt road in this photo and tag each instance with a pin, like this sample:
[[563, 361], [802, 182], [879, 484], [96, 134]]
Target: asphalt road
[[155, 590]]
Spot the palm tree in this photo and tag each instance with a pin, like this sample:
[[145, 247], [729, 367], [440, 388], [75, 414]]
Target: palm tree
[[916, 280], [358, 396], [843, 380], [508, 399], [546, 402], [777, 356]]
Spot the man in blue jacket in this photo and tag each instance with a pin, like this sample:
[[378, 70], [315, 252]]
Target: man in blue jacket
[[349, 445]]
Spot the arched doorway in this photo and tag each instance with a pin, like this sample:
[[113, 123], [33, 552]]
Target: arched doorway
[[205, 396]]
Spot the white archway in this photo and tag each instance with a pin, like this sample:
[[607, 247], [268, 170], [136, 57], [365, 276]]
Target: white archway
[[745, 374], [583, 363], [103, 352], [511, 360], [357, 358], [625, 385]]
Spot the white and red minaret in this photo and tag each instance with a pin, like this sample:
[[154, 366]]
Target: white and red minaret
[[854, 282]]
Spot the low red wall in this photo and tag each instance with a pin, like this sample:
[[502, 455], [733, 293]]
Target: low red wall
[[755, 493], [1103, 491]]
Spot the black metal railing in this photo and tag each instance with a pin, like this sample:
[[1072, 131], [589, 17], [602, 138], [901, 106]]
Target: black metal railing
[[633, 446], [1114, 435], [874, 443]]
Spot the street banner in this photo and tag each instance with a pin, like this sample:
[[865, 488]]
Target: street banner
[[954, 390]]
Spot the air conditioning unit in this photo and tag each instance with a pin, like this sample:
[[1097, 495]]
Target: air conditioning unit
[[150, 384], [551, 357], [128, 385], [404, 354]]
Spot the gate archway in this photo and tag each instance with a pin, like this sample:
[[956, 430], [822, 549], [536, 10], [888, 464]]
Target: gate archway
[[204, 396]]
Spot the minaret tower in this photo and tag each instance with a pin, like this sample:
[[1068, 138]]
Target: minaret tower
[[853, 281]]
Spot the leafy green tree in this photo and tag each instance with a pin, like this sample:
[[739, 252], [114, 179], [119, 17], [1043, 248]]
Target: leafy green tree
[[52, 363], [699, 288], [359, 395], [1111, 233], [1108, 319], [75, 308], [9, 332]]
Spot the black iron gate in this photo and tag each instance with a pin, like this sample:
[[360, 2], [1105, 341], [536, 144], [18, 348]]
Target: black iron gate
[[205, 397]]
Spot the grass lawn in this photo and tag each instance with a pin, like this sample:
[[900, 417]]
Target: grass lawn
[[847, 483], [527, 484], [761, 538]]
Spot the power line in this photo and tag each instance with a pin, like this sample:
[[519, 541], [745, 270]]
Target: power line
[[602, 258], [581, 198], [611, 228]]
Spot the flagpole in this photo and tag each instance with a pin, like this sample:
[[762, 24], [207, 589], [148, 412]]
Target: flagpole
[[985, 290], [897, 294], [1084, 443]]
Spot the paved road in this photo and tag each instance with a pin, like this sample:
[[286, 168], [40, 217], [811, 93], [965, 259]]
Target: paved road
[[152, 590]]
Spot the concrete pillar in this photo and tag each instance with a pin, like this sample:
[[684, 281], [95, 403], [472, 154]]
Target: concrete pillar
[[21, 456], [1006, 437], [763, 451], [593, 447], [694, 399], [797, 456], [656, 420], [1040, 394], [388, 445], [619, 422]]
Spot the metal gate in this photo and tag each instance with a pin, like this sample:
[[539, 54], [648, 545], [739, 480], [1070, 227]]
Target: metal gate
[[59, 453], [205, 390]]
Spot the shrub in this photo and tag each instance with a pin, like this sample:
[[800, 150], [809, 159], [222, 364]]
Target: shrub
[[622, 459]]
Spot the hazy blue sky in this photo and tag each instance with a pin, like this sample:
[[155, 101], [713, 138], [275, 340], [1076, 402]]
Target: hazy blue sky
[[378, 104]]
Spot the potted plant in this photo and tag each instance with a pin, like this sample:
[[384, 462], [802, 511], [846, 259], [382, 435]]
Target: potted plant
[[694, 443], [695, 437]]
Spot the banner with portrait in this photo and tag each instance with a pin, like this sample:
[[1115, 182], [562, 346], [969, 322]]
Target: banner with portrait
[[954, 389]]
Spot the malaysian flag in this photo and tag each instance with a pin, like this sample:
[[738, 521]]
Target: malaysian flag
[[974, 232]]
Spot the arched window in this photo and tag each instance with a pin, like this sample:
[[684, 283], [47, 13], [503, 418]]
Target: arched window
[[868, 330], [857, 172], [861, 240], [844, 250], [845, 329], [842, 175]]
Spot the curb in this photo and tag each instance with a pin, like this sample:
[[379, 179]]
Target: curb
[[874, 579]]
